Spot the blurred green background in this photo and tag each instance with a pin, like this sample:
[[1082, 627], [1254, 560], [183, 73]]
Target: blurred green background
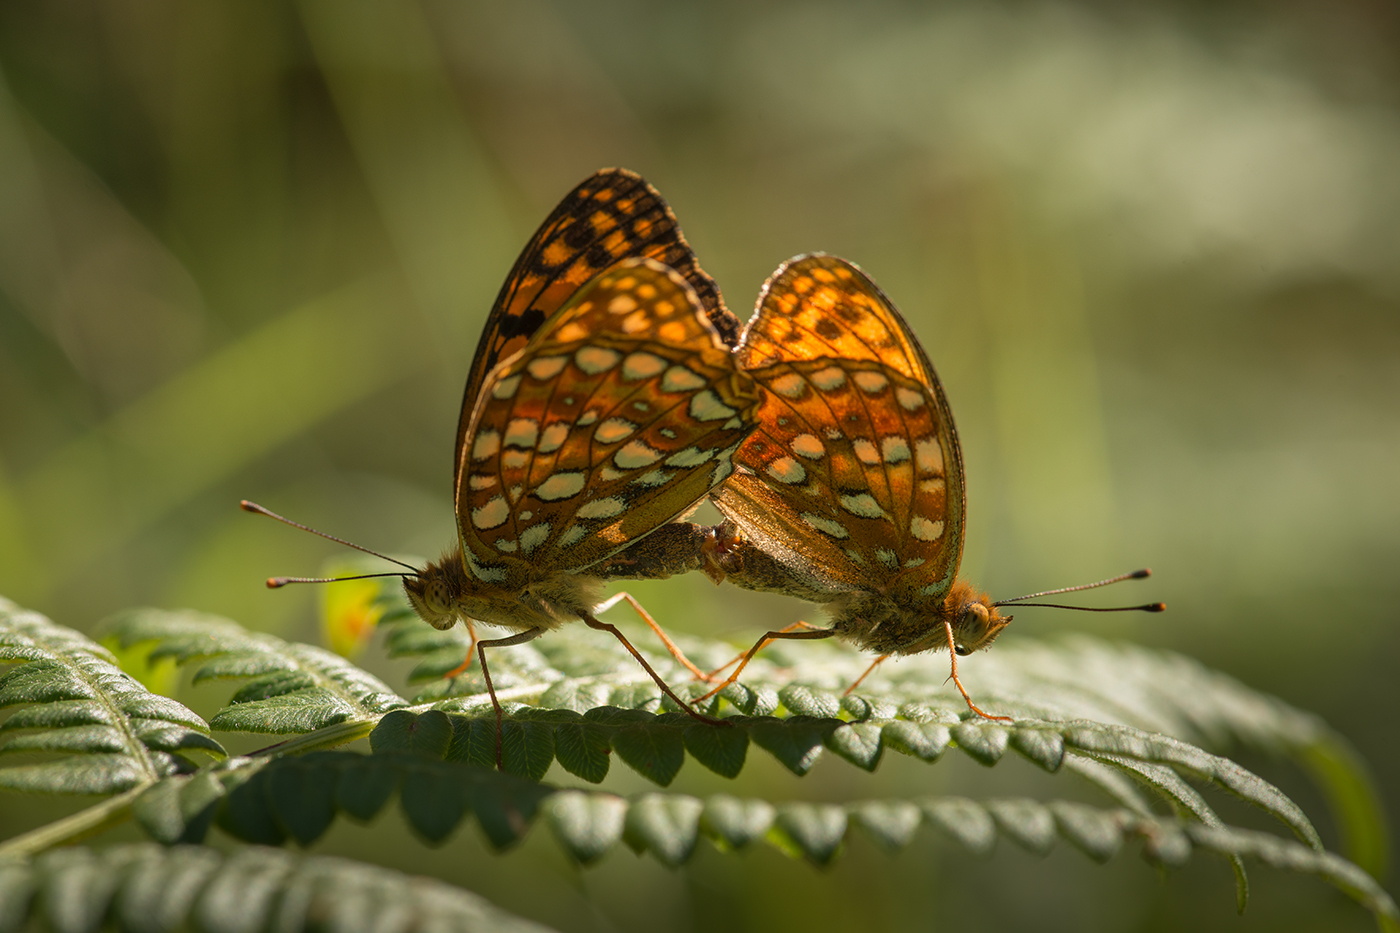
[[246, 249]]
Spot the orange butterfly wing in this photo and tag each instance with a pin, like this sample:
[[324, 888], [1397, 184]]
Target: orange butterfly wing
[[621, 413], [854, 478], [611, 216]]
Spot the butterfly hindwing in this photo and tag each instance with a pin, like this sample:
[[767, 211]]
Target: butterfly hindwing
[[619, 414], [855, 470], [611, 216]]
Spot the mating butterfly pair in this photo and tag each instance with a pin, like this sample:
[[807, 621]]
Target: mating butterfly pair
[[604, 402]]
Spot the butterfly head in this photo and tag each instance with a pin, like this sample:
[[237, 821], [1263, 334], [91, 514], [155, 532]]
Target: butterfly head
[[976, 625], [436, 592]]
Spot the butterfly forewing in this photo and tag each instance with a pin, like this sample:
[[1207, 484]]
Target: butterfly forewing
[[611, 216], [855, 470], [623, 411]]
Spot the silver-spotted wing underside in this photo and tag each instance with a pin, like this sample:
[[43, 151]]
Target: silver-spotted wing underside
[[621, 413], [854, 476]]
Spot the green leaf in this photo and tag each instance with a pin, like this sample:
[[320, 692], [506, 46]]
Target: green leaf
[[434, 800], [151, 888], [95, 729], [654, 749], [667, 825], [814, 830], [796, 742], [294, 688], [858, 742], [723, 751], [891, 823], [964, 820], [586, 825], [735, 823]]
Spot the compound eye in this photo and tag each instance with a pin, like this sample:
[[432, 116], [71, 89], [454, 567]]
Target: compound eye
[[436, 597], [962, 652]]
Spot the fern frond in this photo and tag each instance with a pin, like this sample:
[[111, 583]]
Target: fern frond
[[270, 801], [292, 688], [95, 729], [149, 887]]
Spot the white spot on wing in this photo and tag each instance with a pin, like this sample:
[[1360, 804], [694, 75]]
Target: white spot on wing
[[546, 367], [925, 530], [787, 470], [560, 486], [515, 459], [594, 360], [653, 478], [706, 406], [553, 437], [680, 379], [865, 451], [929, 455], [642, 366], [637, 320], [522, 432], [483, 573], [486, 444], [829, 379], [479, 481], [587, 418], [807, 445], [622, 304], [826, 526], [635, 454], [788, 385], [895, 449], [870, 382], [573, 536], [862, 504], [909, 400], [506, 545], [506, 388], [602, 508], [492, 514], [613, 430], [533, 537], [690, 457], [885, 555]]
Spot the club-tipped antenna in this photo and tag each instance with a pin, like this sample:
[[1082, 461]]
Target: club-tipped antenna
[[1135, 575], [1146, 607], [277, 582], [253, 507]]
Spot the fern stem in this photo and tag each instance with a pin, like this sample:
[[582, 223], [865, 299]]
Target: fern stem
[[95, 819]]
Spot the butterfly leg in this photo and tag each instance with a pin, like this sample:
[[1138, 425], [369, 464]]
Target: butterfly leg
[[671, 646], [471, 652], [762, 642], [710, 677], [481, 646], [605, 627], [953, 655], [878, 661]]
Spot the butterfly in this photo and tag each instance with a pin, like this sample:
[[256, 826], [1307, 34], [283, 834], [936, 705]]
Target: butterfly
[[620, 413], [851, 492], [602, 403]]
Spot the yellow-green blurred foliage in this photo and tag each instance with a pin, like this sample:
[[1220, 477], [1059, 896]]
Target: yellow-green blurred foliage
[[1153, 250]]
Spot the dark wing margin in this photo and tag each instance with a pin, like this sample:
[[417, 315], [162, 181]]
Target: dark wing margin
[[612, 215]]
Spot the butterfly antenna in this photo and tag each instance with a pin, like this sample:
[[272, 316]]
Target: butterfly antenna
[[276, 582], [1135, 575], [256, 509]]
